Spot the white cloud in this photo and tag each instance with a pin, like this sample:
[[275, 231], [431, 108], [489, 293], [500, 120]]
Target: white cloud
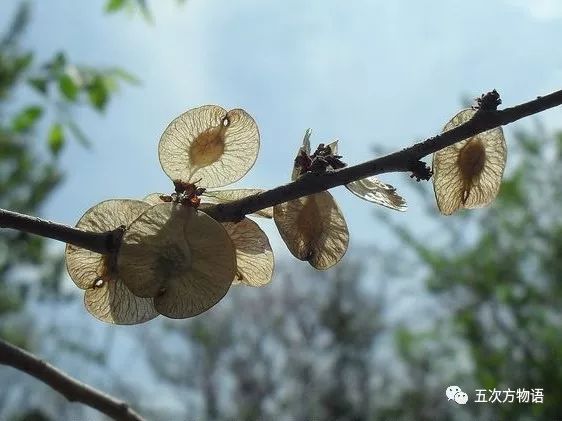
[[540, 9]]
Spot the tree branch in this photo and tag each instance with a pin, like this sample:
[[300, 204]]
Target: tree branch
[[406, 160], [95, 241], [402, 161], [70, 388]]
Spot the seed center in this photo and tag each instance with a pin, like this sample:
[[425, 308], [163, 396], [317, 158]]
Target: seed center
[[208, 147], [472, 158], [173, 260]]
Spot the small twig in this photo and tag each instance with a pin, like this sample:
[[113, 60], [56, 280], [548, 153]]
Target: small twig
[[406, 160], [70, 388]]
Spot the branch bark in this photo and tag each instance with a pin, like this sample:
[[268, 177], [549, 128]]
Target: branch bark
[[95, 241], [70, 388], [406, 160]]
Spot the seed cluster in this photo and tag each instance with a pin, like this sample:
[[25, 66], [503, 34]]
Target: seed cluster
[[313, 227], [174, 259], [177, 261]]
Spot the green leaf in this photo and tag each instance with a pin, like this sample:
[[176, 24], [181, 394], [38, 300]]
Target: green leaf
[[530, 143], [98, 93], [9, 301], [22, 62], [110, 82], [15, 336], [112, 6], [125, 76], [145, 10], [26, 119], [68, 88], [39, 84], [17, 25], [56, 138], [57, 64]]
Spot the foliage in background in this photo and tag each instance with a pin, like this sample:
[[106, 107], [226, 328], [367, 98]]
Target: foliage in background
[[37, 100], [132, 7], [497, 284], [28, 173]]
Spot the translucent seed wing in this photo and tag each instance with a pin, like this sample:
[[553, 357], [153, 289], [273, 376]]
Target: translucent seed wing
[[303, 150], [306, 141], [106, 297], [154, 247], [313, 228], [373, 190], [84, 266], [447, 180], [210, 144], [460, 118], [333, 147], [456, 187], [212, 272], [153, 199], [254, 256], [181, 257], [112, 302], [225, 196]]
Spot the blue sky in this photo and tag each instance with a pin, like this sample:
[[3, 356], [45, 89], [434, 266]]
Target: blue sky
[[365, 72]]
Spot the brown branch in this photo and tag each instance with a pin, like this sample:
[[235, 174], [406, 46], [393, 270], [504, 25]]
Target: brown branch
[[402, 161], [70, 388], [98, 242], [406, 160]]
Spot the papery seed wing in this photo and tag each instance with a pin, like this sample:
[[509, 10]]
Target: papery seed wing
[[333, 147], [373, 190], [112, 302], [306, 141], [211, 274], [210, 144], [254, 256], [85, 266], [180, 256], [303, 151], [468, 174], [313, 228], [106, 297], [154, 198], [153, 247]]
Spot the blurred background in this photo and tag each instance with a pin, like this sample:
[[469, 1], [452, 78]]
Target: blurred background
[[419, 302]]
